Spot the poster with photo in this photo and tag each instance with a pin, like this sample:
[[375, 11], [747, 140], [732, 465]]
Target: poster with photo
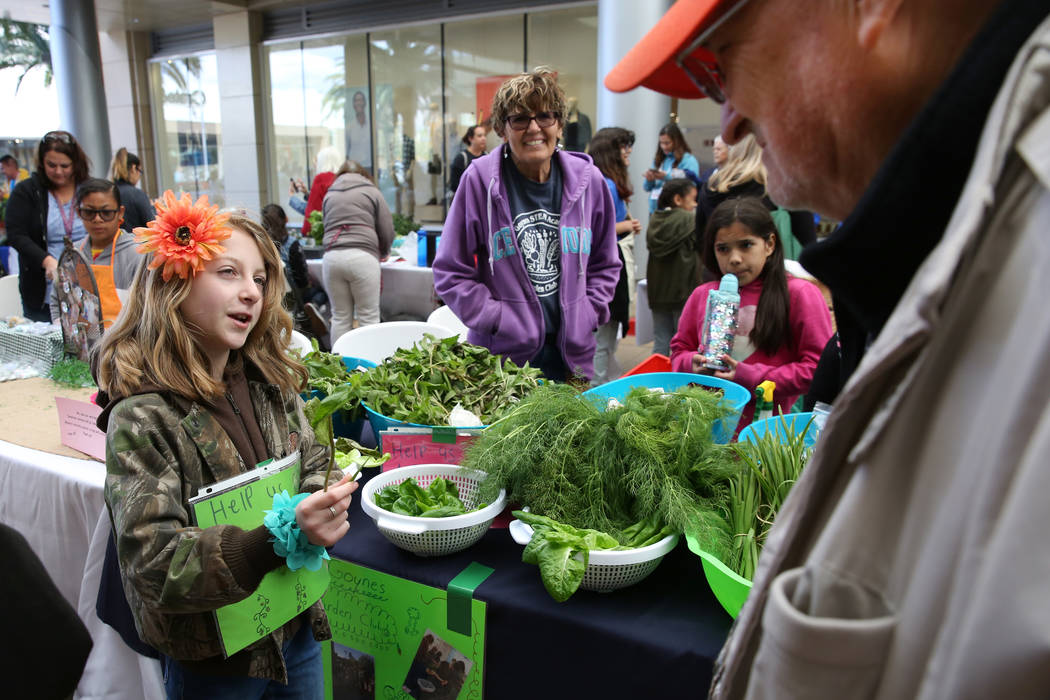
[[391, 640]]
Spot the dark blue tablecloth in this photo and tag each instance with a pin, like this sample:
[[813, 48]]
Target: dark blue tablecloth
[[656, 639]]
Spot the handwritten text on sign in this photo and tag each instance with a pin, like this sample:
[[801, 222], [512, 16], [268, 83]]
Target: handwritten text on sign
[[408, 448]]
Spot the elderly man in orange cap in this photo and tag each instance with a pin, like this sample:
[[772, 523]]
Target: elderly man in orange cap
[[909, 561]]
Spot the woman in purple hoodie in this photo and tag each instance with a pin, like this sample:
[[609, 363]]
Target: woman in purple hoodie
[[528, 255]]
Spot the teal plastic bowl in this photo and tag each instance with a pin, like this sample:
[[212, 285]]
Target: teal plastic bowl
[[342, 426], [379, 422], [791, 423], [736, 395]]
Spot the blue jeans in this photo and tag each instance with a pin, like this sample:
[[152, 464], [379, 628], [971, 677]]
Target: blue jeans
[[302, 656]]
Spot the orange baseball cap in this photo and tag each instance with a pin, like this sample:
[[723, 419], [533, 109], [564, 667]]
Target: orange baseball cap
[[651, 62]]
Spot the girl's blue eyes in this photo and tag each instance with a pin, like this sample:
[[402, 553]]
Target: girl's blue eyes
[[229, 271]]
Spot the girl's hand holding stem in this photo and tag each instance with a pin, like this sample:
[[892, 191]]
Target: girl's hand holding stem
[[322, 515]]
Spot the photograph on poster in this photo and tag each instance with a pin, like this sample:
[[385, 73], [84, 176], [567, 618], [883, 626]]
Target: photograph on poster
[[353, 674], [437, 671]]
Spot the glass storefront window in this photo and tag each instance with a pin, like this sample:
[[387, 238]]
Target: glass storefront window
[[318, 100], [189, 127], [406, 85], [700, 122], [478, 55], [567, 41]]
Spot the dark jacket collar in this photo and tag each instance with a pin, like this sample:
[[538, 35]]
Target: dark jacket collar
[[872, 257]]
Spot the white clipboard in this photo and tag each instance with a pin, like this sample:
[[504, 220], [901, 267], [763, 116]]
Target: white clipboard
[[262, 470]]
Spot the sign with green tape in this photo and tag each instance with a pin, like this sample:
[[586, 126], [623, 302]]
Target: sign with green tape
[[392, 638]]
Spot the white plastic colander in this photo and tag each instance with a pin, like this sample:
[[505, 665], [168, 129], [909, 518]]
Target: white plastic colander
[[430, 537], [608, 570]]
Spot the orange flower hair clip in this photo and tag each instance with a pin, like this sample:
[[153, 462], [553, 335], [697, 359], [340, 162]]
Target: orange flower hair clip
[[184, 235]]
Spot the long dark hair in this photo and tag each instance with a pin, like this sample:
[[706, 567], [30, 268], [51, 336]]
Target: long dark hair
[[772, 318], [469, 136], [275, 221], [65, 143], [604, 150], [678, 145]]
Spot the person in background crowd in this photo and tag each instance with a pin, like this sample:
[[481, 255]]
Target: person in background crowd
[[110, 250], [540, 224], [474, 140], [783, 322], [196, 386], [894, 570], [744, 175], [328, 161], [359, 132], [41, 213], [610, 149], [720, 154], [12, 174], [358, 231], [305, 297], [126, 171], [672, 270], [673, 159]]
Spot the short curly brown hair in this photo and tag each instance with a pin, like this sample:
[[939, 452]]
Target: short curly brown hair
[[535, 91]]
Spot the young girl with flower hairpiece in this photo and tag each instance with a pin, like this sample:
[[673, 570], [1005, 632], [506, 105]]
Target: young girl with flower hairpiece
[[196, 388]]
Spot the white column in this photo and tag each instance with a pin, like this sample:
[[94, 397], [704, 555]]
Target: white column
[[240, 106], [621, 24], [77, 66], [125, 70]]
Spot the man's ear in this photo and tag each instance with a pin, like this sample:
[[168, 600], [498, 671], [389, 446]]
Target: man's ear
[[873, 16]]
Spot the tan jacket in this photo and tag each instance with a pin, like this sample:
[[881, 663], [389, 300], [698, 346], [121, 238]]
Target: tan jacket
[[912, 560]]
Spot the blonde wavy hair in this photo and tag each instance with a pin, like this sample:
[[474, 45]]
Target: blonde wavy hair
[[535, 91], [744, 164], [151, 345]]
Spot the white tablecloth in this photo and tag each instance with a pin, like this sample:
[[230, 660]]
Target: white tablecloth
[[56, 502], [407, 291]]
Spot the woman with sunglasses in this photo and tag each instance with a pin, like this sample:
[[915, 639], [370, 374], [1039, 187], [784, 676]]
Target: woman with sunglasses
[[41, 213], [109, 250], [528, 255], [126, 172]]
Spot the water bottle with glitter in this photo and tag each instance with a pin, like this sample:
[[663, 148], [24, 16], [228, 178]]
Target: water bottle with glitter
[[720, 320]]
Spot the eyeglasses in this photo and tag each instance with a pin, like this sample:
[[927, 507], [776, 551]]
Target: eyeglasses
[[707, 77], [88, 214], [520, 122], [63, 136]]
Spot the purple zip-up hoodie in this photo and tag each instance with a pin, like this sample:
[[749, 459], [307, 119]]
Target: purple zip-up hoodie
[[494, 296]]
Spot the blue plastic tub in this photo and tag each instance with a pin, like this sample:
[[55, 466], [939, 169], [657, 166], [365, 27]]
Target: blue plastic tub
[[342, 426], [380, 422], [794, 422], [736, 395]]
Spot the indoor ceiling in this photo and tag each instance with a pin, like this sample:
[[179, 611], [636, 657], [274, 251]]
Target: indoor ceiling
[[143, 15]]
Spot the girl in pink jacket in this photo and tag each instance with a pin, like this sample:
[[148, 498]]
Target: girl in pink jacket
[[783, 323]]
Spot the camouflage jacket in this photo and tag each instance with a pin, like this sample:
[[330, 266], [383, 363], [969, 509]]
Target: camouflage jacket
[[160, 449]]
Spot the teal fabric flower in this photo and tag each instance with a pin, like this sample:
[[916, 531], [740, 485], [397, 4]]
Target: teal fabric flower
[[288, 540]]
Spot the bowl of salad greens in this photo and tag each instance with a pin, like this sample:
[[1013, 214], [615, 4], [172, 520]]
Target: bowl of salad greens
[[430, 509]]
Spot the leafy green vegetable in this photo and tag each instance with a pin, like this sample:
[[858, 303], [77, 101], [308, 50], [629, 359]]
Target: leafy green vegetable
[[654, 457], [316, 230], [404, 225], [440, 499], [327, 371], [424, 383], [769, 468], [352, 457], [71, 372]]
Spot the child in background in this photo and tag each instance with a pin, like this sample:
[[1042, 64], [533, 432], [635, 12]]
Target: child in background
[[672, 271], [198, 387], [610, 149], [783, 323], [109, 250]]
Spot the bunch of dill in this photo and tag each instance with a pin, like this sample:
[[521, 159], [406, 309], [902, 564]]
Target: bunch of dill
[[570, 458]]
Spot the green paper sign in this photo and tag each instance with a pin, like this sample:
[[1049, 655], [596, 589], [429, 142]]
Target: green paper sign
[[391, 640], [283, 593]]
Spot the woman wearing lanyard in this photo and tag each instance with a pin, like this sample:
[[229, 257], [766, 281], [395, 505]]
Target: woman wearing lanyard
[[110, 251], [40, 214]]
